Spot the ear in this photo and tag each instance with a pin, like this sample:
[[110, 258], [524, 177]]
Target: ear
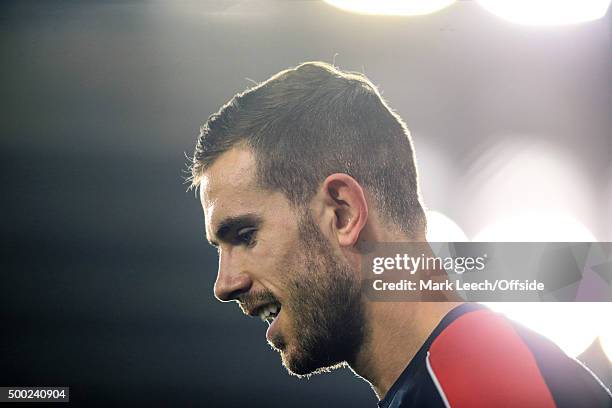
[[347, 199]]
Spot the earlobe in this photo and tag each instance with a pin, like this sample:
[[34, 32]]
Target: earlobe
[[350, 207]]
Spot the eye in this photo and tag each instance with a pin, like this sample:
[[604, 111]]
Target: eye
[[246, 236]]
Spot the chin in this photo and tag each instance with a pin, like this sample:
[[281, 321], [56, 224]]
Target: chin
[[302, 365]]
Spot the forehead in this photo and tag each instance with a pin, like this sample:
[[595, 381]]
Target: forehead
[[234, 169], [229, 189]]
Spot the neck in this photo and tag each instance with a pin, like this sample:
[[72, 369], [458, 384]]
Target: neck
[[396, 331]]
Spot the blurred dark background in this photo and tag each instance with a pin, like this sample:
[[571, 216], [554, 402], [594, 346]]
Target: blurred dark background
[[106, 279]]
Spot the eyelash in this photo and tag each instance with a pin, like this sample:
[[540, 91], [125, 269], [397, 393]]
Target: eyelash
[[248, 237]]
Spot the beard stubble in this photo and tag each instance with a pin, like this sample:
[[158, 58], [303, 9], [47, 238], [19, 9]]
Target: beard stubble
[[324, 303]]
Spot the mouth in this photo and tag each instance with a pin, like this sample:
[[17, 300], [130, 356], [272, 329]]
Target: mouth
[[268, 312], [268, 309]]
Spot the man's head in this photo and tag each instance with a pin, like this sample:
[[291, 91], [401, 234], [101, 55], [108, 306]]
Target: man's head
[[290, 173]]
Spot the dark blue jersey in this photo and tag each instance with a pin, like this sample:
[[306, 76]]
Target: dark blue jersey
[[478, 358]]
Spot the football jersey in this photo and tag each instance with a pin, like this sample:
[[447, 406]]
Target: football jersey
[[478, 358]]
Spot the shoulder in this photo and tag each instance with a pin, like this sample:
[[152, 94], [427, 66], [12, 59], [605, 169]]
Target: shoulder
[[484, 359]]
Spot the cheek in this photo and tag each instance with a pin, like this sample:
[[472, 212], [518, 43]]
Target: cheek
[[274, 263]]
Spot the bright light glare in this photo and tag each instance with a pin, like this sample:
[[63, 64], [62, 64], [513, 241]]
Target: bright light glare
[[391, 7], [572, 326], [440, 228], [605, 339], [547, 12], [536, 226]]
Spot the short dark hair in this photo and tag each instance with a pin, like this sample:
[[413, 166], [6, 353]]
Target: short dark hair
[[308, 122]]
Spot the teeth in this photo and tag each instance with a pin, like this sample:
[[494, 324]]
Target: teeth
[[269, 312]]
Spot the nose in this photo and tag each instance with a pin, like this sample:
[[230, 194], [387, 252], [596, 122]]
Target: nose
[[232, 279]]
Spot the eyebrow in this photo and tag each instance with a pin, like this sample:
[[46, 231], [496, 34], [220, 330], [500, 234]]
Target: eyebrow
[[229, 224]]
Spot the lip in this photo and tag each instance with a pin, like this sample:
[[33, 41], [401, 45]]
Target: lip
[[274, 327], [254, 312]]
